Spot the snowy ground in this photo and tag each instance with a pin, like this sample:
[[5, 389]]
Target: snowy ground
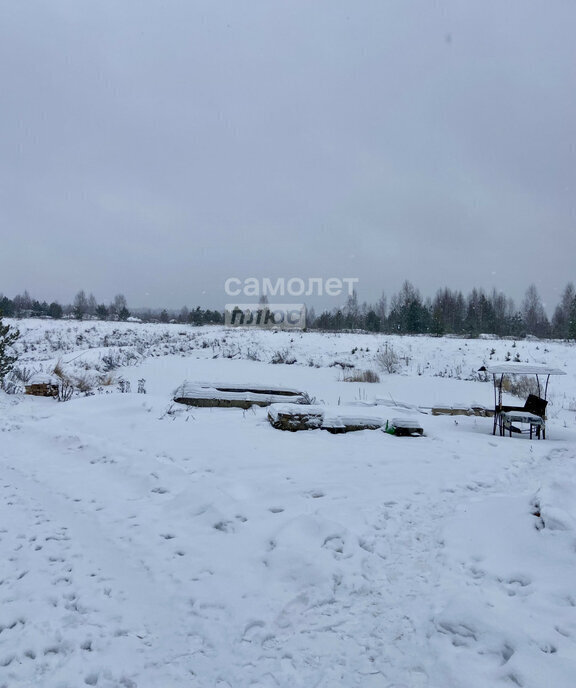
[[153, 547]]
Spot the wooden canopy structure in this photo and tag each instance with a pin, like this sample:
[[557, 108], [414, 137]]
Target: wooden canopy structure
[[542, 374]]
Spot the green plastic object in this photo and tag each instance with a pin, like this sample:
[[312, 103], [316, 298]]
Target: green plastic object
[[390, 429]]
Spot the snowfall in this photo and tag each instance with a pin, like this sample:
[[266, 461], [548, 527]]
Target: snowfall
[[147, 544]]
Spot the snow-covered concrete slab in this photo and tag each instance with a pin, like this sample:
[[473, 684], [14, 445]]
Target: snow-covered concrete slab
[[206, 394]]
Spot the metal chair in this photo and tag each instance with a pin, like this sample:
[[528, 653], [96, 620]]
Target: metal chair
[[533, 413]]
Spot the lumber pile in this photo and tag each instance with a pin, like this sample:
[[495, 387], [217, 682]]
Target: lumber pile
[[42, 386]]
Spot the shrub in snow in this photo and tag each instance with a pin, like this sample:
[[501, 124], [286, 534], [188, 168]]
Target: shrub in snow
[[307, 399], [341, 364], [123, 386], [362, 376], [17, 379], [388, 360], [283, 356], [65, 390], [253, 355], [65, 383], [520, 385]]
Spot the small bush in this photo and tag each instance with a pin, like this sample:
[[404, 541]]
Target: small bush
[[520, 386], [283, 356], [65, 390], [111, 360], [230, 351], [123, 386], [11, 385], [116, 358], [388, 360], [106, 380], [253, 355], [68, 384], [65, 383], [341, 364], [362, 376], [83, 384], [58, 370], [307, 399], [22, 374]]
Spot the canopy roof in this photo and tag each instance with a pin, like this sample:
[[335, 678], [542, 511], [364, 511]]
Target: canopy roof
[[521, 369]]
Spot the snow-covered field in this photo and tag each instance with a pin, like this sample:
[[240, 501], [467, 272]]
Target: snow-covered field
[[145, 545]]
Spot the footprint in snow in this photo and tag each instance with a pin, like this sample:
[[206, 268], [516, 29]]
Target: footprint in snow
[[334, 543], [252, 631], [224, 526], [519, 585]]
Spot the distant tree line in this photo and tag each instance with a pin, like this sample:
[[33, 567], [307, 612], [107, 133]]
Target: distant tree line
[[449, 312], [86, 307], [82, 307], [196, 316]]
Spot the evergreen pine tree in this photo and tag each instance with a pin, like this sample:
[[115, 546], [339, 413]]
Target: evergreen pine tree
[[8, 335]]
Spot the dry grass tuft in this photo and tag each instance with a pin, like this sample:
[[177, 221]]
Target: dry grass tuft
[[106, 380], [362, 376], [520, 385]]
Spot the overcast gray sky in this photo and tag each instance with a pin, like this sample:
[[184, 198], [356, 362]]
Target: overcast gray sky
[[158, 148]]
